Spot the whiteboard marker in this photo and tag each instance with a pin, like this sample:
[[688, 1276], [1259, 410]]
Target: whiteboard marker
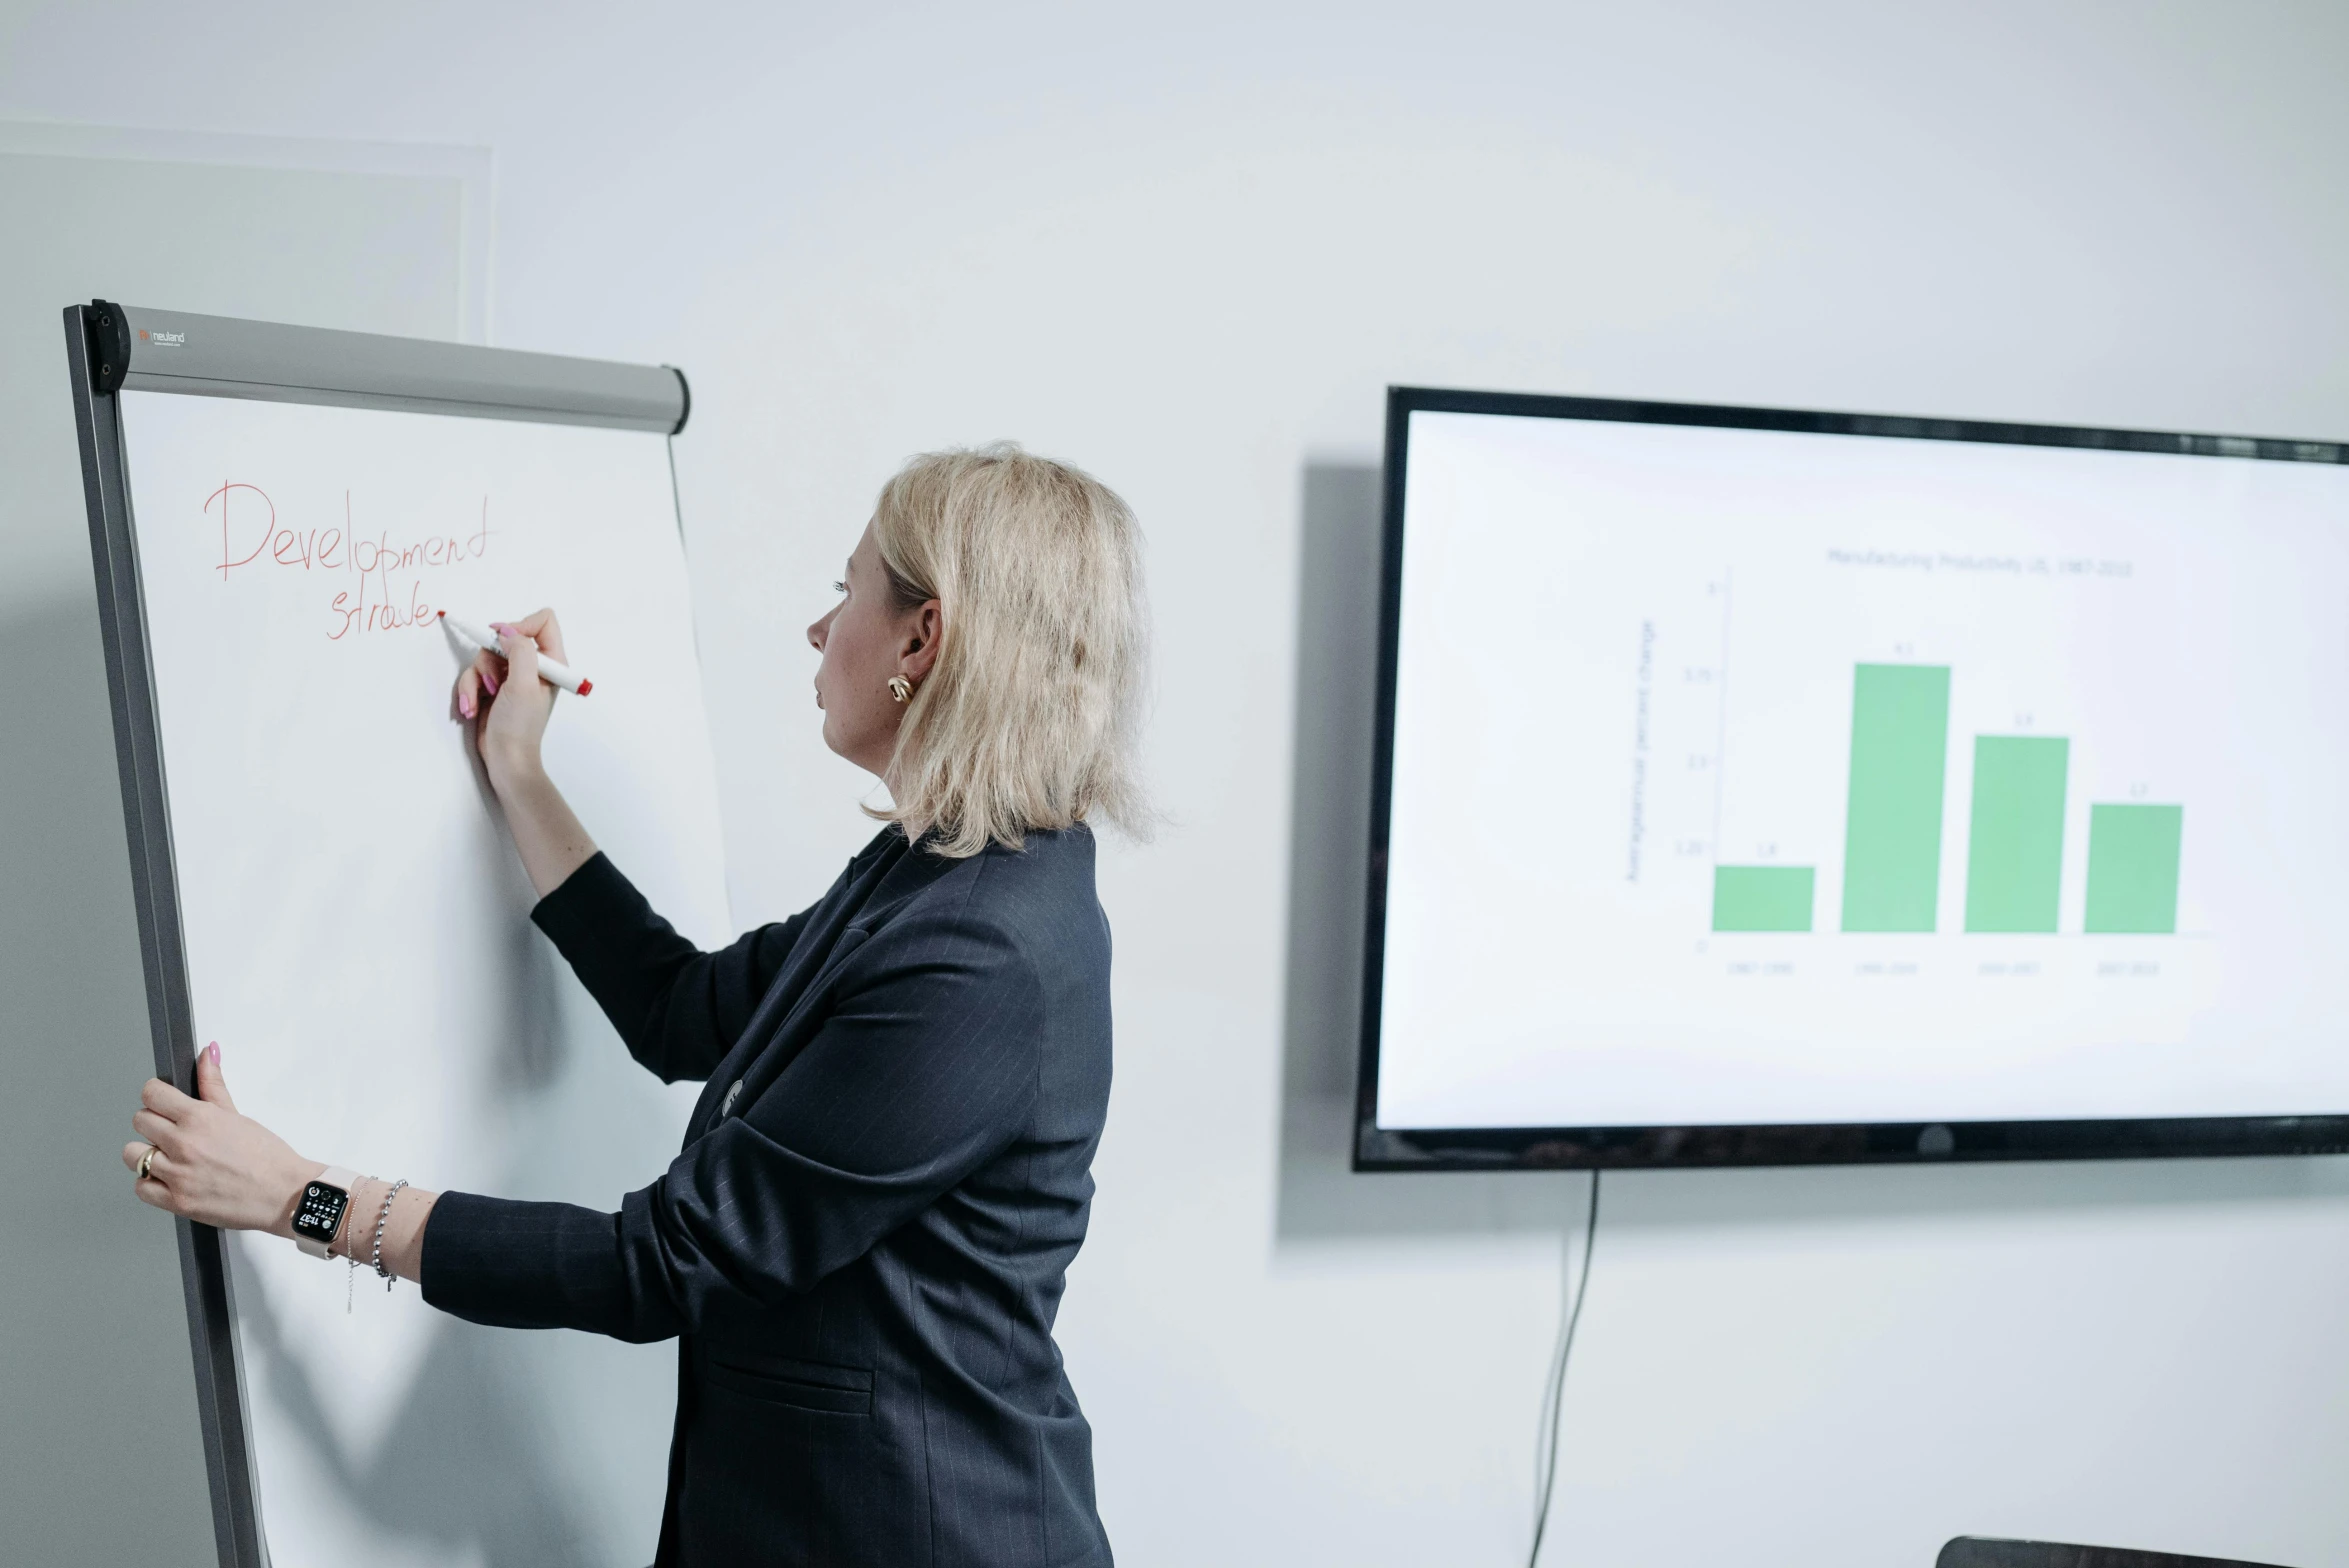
[[552, 671]]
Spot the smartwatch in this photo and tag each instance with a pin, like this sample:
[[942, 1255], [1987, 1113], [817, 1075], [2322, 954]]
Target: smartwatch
[[319, 1212]]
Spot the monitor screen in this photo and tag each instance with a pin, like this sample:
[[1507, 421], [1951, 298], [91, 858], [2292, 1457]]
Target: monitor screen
[[1756, 786]]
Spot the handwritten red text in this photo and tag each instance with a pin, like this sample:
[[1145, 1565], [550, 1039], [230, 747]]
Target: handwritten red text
[[385, 574]]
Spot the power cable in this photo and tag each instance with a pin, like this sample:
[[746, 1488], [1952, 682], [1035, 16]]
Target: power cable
[[1545, 1460]]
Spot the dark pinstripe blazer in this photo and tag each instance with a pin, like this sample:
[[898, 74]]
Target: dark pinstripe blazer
[[862, 1247]]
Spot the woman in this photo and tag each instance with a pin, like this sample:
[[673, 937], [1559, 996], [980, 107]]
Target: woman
[[862, 1246]]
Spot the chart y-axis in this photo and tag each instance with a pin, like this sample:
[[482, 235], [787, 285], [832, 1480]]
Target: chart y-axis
[[1721, 724]]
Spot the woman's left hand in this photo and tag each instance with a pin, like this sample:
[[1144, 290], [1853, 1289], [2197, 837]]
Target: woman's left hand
[[211, 1164]]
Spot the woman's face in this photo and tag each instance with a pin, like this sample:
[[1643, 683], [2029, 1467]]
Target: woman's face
[[865, 640]]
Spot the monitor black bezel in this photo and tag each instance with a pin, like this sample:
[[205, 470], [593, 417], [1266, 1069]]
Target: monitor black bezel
[[1379, 1148]]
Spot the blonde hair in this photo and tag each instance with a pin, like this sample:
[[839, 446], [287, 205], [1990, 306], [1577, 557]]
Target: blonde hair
[[1027, 721]]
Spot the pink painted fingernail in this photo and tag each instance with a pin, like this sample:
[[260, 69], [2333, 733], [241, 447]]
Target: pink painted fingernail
[[213, 1051], [465, 706], [491, 682], [502, 629]]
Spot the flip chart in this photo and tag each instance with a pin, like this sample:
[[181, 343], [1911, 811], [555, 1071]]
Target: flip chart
[[357, 935]]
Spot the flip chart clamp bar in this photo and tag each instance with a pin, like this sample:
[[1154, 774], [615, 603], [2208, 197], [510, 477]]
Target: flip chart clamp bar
[[132, 348]]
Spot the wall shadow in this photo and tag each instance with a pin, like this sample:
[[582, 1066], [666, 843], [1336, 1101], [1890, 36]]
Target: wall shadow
[[1320, 1198], [465, 1467]]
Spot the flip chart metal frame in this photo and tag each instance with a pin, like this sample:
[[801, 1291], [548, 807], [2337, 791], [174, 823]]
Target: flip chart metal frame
[[110, 348], [1378, 1148]]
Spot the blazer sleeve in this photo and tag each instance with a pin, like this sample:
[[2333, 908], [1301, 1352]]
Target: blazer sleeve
[[925, 1070], [678, 1009]]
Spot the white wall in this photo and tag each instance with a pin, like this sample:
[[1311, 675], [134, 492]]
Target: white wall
[[95, 1383], [1188, 250]]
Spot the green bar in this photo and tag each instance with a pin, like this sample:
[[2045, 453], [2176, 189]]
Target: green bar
[[1892, 832], [2133, 867], [2015, 848], [1762, 898]]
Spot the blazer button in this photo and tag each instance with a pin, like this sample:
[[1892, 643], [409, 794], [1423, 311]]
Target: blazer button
[[733, 1093]]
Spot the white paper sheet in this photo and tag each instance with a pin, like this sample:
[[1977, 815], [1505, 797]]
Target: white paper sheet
[[358, 937]]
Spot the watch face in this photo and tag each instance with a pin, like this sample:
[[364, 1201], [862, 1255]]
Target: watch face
[[321, 1211]]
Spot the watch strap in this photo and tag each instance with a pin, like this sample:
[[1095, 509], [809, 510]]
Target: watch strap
[[343, 1181]]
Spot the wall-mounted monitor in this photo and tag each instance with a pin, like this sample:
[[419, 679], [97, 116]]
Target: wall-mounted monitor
[[1761, 787]]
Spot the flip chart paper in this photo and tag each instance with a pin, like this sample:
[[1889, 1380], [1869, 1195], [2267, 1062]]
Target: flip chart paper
[[357, 923]]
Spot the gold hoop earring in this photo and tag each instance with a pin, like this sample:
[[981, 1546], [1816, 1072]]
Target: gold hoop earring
[[900, 688]]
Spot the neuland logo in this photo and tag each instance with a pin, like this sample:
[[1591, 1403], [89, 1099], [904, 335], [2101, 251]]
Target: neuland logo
[[163, 338]]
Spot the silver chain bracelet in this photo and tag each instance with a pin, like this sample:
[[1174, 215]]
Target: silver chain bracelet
[[381, 1220]]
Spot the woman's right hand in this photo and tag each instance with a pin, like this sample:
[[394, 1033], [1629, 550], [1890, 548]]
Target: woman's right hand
[[503, 692]]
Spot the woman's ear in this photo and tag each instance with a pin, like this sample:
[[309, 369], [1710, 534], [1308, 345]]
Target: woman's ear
[[920, 651]]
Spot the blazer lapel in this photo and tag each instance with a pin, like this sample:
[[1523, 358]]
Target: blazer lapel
[[810, 955], [788, 1035]]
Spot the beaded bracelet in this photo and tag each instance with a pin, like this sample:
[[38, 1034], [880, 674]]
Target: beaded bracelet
[[381, 1220]]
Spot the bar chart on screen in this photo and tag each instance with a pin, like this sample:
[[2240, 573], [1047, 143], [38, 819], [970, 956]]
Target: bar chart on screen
[[2013, 862], [1922, 818], [1919, 802], [1927, 761], [1881, 781]]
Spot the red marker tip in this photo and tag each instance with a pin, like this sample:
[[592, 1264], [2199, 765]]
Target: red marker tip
[[585, 687], [443, 614]]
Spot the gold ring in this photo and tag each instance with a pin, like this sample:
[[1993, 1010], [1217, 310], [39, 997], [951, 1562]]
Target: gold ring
[[146, 1160]]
